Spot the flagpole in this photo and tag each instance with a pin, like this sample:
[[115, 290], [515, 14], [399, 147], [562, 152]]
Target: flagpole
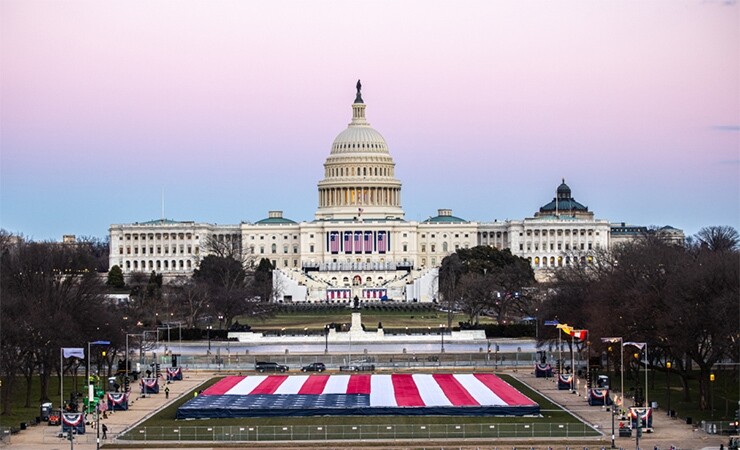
[[647, 404], [621, 370], [573, 362], [61, 380]]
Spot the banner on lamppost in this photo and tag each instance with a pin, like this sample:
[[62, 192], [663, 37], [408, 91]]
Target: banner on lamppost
[[73, 352]]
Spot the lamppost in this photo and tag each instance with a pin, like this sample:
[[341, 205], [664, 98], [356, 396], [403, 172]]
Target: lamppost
[[643, 346], [220, 321], [711, 392], [88, 363], [668, 385], [208, 328], [326, 339], [614, 340], [442, 334]]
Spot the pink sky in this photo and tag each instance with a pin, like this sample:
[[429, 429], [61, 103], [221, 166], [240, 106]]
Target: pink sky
[[231, 108]]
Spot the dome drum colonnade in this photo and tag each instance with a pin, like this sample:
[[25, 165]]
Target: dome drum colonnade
[[359, 173]]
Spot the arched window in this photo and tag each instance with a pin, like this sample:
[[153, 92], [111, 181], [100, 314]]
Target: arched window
[[274, 248], [537, 261], [444, 247]]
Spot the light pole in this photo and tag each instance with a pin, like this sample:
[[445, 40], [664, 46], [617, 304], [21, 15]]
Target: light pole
[[614, 340], [613, 444], [711, 392], [442, 334], [668, 385], [326, 339], [642, 346], [209, 338], [90, 394]]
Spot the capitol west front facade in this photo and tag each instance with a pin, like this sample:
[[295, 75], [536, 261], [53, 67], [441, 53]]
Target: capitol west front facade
[[359, 243]]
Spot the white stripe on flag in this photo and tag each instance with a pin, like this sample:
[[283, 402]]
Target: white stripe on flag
[[429, 390], [337, 384], [247, 385], [292, 384], [478, 390], [381, 391]]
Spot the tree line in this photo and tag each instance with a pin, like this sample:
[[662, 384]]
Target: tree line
[[56, 295]]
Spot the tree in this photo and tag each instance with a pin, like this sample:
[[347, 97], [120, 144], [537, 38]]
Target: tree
[[54, 298], [719, 238], [485, 279], [115, 277], [263, 280], [225, 280], [680, 300]]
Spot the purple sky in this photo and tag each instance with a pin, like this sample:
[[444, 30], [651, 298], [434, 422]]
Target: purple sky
[[230, 107]]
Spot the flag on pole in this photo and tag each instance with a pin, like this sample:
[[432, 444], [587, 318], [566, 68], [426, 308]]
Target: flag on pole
[[639, 345], [73, 352], [551, 323], [566, 329], [579, 334], [611, 340]]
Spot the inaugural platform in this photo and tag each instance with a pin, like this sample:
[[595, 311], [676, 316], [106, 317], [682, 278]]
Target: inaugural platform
[[361, 394]]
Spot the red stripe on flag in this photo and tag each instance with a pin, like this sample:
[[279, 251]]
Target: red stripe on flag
[[454, 391], [269, 385], [358, 384], [314, 385], [504, 390], [405, 390], [223, 386]]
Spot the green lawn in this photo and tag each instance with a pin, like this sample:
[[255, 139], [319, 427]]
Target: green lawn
[[315, 320], [20, 413]]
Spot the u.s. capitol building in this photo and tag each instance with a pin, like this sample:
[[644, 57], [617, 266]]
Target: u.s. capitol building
[[359, 243]]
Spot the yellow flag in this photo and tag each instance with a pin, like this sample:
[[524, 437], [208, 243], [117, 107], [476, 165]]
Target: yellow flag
[[566, 329]]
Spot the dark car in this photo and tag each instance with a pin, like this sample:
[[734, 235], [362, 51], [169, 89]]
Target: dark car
[[314, 367], [262, 366]]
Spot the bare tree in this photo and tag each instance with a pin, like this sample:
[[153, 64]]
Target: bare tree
[[719, 238]]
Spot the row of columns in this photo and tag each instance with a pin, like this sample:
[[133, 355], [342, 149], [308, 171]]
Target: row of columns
[[359, 196]]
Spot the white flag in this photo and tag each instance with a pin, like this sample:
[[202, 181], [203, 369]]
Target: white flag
[[74, 353], [639, 345]]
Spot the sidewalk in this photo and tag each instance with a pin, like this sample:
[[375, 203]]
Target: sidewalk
[[667, 431], [44, 437]]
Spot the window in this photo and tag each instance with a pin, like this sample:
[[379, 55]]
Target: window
[[433, 248], [444, 247], [423, 248], [310, 248], [273, 247], [285, 249], [262, 250], [405, 248]]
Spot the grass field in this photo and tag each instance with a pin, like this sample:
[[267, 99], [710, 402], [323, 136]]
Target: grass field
[[315, 320]]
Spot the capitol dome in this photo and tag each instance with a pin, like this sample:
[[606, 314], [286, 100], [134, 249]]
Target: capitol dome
[[359, 180]]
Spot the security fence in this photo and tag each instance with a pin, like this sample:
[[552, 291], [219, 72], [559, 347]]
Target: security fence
[[233, 361], [334, 432]]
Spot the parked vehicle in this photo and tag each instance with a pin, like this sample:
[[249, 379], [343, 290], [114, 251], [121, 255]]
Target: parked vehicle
[[357, 367], [264, 366], [314, 367]]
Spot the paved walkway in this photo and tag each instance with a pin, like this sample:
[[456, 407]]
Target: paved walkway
[[667, 431]]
